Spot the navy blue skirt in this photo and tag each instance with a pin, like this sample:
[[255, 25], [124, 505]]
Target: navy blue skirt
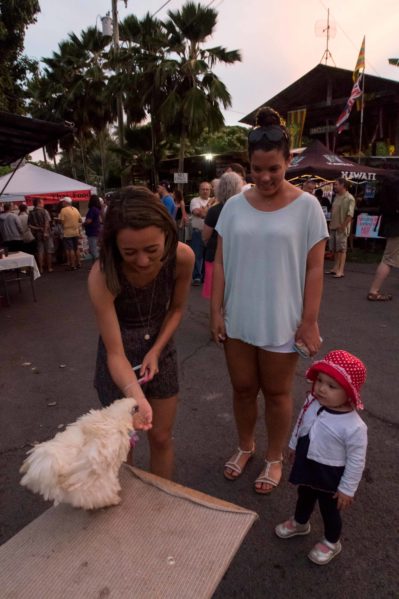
[[313, 474]]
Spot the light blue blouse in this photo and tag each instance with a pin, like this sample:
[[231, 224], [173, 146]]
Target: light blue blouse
[[264, 261]]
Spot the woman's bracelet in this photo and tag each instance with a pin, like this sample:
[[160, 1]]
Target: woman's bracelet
[[128, 387]]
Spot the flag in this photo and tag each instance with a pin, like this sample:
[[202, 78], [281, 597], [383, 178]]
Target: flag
[[360, 65], [355, 94], [295, 123]]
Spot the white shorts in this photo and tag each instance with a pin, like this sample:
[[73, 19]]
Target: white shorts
[[286, 348]]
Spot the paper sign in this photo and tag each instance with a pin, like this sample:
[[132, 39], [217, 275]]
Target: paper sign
[[367, 225], [180, 177]]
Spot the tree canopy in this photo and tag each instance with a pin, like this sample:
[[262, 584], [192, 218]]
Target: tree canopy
[[15, 17], [162, 73]]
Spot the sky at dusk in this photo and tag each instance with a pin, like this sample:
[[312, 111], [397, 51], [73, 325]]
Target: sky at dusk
[[277, 38]]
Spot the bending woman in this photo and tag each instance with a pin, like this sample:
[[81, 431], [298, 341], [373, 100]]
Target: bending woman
[[267, 287], [139, 289]]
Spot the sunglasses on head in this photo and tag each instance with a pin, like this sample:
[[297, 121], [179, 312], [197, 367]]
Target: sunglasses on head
[[273, 133]]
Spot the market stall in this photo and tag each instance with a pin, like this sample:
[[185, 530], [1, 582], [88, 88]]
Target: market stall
[[320, 162], [324, 167], [30, 181]]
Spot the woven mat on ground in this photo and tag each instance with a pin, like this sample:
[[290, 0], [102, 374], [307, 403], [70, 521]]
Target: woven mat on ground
[[163, 541]]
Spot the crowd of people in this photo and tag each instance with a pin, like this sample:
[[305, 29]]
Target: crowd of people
[[53, 233], [258, 248]]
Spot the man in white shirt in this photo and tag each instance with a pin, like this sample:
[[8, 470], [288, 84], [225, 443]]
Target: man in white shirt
[[199, 208]]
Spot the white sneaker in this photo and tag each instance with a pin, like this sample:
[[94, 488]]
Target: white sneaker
[[291, 528], [324, 551]]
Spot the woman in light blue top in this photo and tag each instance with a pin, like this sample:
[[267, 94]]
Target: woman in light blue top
[[267, 287]]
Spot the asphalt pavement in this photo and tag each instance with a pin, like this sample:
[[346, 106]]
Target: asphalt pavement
[[47, 353]]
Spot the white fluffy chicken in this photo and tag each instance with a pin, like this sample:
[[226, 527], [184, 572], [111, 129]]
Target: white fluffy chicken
[[80, 465]]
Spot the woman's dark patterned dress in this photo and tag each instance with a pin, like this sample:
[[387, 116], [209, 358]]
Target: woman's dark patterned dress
[[132, 307]]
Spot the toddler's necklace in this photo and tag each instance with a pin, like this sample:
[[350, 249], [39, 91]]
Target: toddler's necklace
[[147, 335]]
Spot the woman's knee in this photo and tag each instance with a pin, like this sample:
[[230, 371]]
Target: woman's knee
[[278, 399], [160, 439], [245, 391]]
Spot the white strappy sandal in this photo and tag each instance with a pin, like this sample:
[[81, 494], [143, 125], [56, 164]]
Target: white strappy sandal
[[233, 463], [265, 479]]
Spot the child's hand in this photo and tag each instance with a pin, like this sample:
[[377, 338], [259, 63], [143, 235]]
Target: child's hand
[[291, 455], [343, 501]]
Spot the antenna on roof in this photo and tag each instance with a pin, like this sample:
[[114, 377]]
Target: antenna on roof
[[328, 29]]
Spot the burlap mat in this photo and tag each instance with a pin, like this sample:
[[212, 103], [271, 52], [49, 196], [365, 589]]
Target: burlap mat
[[163, 541]]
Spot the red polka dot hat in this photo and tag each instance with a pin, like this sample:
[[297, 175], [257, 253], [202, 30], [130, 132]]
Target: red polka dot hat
[[346, 369]]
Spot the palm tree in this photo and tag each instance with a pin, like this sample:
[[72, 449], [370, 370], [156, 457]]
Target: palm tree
[[161, 71], [145, 75], [197, 93], [73, 87]]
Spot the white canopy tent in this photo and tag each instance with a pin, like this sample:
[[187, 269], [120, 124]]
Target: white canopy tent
[[30, 181]]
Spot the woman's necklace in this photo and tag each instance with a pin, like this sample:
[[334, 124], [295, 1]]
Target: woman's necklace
[[147, 335]]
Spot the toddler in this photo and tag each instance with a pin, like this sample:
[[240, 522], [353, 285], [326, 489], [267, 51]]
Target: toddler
[[328, 447]]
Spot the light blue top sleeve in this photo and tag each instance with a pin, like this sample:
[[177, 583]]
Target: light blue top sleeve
[[264, 262]]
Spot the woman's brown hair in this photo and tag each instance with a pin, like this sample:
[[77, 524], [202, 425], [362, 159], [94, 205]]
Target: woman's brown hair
[[178, 196], [132, 207], [269, 133]]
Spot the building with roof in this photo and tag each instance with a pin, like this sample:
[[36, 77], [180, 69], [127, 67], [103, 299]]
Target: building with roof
[[323, 92], [20, 135]]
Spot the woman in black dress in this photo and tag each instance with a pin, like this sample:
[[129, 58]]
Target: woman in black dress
[[139, 289]]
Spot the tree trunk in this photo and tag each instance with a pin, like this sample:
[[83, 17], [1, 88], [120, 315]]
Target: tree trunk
[[102, 154], [182, 148], [83, 154], [154, 170], [72, 162], [44, 155], [156, 137]]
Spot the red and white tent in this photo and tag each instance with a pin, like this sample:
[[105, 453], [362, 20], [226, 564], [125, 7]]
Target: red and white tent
[[30, 181]]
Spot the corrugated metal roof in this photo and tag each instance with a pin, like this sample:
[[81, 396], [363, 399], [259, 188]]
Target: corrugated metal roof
[[20, 135], [323, 88]]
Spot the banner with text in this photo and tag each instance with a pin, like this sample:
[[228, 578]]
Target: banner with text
[[367, 225]]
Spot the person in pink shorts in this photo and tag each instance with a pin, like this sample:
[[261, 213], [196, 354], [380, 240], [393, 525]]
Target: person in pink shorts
[[229, 184]]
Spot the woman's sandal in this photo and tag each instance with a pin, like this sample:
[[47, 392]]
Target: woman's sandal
[[233, 463], [265, 479], [379, 297]]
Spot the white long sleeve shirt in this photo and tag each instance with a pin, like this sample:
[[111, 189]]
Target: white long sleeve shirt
[[335, 440]]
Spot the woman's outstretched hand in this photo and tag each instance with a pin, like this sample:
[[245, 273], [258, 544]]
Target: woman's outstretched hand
[[142, 419]]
